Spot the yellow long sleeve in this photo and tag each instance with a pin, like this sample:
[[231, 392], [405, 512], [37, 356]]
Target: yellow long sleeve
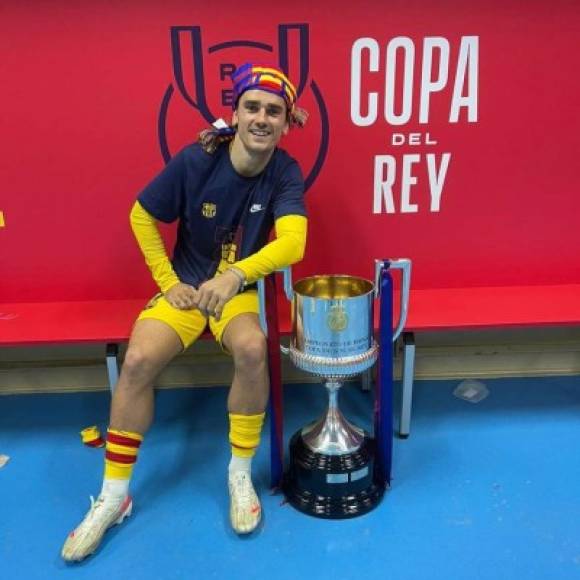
[[149, 240], [288, 248]]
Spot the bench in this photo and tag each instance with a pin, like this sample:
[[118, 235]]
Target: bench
[[107, 322]]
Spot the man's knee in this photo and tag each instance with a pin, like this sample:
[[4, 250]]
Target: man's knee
[[250, 352], [139, 367]]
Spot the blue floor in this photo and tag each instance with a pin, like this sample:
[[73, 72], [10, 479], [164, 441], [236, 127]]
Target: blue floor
[[485, 491]]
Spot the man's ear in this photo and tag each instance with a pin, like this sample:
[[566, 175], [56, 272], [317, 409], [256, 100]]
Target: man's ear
[[286, 128], [235, 117]]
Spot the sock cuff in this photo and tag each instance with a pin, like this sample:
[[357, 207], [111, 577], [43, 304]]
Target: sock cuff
[[114, 470], [245, 433], [247, 421], [121, 453], [127, 438], [124, 449]]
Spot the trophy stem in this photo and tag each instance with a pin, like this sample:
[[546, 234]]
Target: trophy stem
[[332, 434], [332, 387]]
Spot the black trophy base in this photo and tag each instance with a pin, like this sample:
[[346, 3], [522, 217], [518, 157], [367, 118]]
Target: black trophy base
[[332, 486]]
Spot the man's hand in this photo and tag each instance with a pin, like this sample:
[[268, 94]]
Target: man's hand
[[182, 296], [213, 294]]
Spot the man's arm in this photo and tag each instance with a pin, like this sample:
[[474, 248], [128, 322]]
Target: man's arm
[[286, 249], [145, 229]]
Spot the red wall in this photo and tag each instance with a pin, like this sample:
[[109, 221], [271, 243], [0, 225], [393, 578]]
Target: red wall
[[82, 119]]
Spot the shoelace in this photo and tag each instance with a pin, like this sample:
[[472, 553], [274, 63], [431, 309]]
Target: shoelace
[[96, 506], [244, 490]]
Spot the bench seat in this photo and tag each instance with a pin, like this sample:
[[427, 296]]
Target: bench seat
[[95, 321], [430, 310], [493, 307]]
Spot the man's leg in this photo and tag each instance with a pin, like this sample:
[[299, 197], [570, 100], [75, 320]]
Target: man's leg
[[245, 340], [152, 345], [247, 401]]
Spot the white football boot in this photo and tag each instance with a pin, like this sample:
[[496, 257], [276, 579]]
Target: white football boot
[[86, 537], [245, 508]]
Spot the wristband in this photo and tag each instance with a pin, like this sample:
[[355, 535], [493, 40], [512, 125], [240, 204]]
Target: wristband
[[240, 276]]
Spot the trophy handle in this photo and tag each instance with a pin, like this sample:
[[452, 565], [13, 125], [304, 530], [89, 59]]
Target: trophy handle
[[262, 305], [287, 273], [288, 290], [403, 264]]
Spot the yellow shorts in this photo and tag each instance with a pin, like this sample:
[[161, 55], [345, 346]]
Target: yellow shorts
[[190, 324]]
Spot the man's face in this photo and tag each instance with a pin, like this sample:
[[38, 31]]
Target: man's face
[[261, 118]]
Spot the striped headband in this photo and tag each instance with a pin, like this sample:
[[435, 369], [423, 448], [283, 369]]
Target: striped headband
[[265, 78]]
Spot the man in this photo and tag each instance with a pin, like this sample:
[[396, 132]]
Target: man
[[226, 192]]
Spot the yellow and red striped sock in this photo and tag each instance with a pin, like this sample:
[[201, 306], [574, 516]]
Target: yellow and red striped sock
[[245, 433], [121, 453]]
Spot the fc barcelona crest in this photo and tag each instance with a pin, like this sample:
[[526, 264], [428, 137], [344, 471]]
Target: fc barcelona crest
[[208, 210]]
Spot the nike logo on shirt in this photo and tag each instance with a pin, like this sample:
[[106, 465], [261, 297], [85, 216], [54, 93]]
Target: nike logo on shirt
[[256, 207]]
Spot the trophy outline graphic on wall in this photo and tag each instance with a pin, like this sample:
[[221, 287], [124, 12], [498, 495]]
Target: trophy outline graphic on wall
[[189, 81]]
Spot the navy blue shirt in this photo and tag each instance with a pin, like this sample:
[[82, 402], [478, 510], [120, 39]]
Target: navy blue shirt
[[222, 214]]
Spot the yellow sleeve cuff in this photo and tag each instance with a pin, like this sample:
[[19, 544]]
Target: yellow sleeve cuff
[[149, 239], [287, 249]]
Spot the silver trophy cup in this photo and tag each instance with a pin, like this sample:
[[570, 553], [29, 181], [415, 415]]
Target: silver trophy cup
[[331, 467]]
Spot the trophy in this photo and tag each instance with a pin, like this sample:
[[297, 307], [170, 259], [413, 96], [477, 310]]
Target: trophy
[[336, 469]]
